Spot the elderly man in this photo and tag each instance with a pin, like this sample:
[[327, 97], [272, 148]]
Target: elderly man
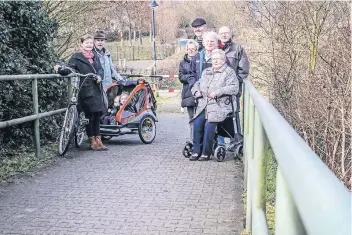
[[238, 62], [105, 59], [199, 26], [236, 55]]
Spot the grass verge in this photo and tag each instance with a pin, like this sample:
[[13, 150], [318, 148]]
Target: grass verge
[[25, 163], [270, 192]]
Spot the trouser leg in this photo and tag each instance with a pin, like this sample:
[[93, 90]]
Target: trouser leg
[[190, 111], [90, 126], [238, 135], [96, 123], [209, 134], [198, 133]]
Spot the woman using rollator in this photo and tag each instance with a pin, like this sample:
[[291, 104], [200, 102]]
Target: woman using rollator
[[212, 92]]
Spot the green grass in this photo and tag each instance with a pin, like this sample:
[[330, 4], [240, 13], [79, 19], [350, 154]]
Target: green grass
[[26, 163], [270, 191]]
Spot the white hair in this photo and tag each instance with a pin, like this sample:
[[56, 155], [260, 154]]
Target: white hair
[[194, 42], [218, 52], [210, 34]]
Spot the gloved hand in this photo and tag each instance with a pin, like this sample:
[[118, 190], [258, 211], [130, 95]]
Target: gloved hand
[[98, 79]]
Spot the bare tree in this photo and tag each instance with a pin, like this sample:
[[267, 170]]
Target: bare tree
[[307, 73]]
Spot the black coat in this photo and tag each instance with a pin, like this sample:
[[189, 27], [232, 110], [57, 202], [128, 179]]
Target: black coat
[[91, 94], [185, 73]]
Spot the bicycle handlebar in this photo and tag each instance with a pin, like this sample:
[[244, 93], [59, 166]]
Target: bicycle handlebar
[[79, 74]]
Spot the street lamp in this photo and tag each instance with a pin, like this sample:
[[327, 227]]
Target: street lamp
[[153, 5]]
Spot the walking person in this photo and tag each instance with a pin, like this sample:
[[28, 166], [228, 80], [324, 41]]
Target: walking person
[[105, 59], [91, 96], [185, 73]]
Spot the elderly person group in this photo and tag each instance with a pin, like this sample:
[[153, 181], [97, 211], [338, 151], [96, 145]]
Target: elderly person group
[[211, 77]]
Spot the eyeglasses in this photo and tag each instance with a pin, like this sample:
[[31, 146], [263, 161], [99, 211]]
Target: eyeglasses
[[191, 49], [217, 59]]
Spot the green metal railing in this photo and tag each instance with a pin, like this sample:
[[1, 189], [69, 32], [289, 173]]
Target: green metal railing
[[36, 116], [309, 197]]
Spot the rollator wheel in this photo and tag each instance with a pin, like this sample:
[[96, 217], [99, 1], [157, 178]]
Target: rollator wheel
[[239, 151], [215, 145], [188, 150], [106, 137], [220, 153]]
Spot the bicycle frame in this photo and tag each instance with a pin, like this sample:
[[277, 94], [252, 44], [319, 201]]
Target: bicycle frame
[[75, 88]]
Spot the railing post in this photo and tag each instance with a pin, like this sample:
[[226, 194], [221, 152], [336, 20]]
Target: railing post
[[245, 134], [259, 152], [243, 99], [287, 219], [248, 160], [36, 112], [259, 224]]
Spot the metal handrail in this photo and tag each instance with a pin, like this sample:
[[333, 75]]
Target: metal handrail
[[36, 116], [310, 199], [31, 77]]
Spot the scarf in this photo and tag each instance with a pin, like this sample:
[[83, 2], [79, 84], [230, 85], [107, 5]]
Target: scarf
[[88, 55], [224, 46]]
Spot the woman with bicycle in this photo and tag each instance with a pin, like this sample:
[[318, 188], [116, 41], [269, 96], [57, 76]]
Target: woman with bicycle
[[91, 96]]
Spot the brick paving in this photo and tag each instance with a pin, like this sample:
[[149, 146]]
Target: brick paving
[[131, 189]]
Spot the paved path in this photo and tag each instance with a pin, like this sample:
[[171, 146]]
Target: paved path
[[131, 189]]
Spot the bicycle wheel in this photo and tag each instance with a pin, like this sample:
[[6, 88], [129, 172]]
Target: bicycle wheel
[[67, 129], [79, 139], [82, 122]]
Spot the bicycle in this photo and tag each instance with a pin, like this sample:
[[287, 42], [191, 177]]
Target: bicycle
[[75, 122]]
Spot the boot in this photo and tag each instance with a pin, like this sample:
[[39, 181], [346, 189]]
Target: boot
[[93, 144], [100, 144]]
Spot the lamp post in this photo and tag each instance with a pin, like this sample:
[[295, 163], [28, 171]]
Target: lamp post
[[153, 5]]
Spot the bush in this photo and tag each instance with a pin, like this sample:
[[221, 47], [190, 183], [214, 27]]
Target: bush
[[26, 47]]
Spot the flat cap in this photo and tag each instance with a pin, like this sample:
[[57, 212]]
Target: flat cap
[[99, 35], [198, 22]]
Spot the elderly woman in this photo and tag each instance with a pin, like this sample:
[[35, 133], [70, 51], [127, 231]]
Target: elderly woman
[[213, 106], [185, 73], [202, 60]]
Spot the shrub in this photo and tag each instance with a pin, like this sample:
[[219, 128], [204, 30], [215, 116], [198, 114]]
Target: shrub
[[26, 39]]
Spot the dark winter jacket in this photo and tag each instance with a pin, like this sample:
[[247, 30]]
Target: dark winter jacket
[[184, 74], [91, 98], [238, 61], [200, 43]]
